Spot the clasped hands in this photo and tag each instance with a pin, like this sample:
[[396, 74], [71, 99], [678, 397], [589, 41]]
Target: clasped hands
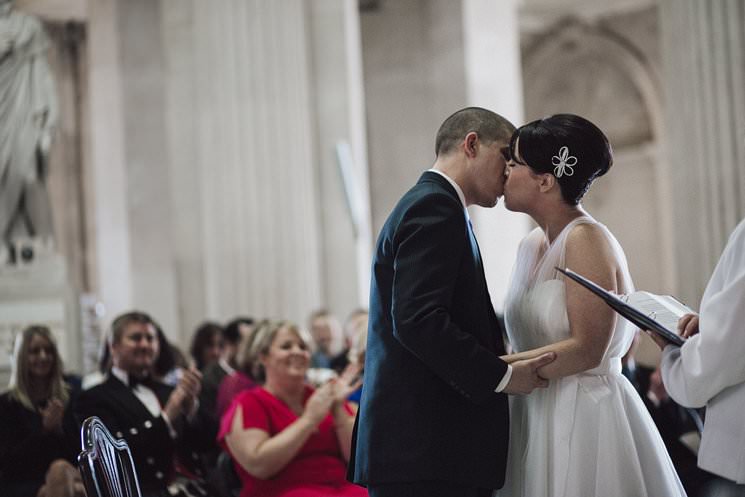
[[525, 377]]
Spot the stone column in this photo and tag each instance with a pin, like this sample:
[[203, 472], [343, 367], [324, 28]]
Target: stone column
[[344, 199], [258, 94], [493, 81], [111, 269], [703, 44]]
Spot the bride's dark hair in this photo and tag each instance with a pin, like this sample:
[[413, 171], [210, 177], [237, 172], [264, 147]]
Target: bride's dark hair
[[541, 144]]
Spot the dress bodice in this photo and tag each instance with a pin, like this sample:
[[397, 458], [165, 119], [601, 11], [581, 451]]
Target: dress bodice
[[535, 309], [587, 433]]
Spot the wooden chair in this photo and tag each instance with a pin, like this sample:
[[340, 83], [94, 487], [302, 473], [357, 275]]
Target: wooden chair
[[106, 463]]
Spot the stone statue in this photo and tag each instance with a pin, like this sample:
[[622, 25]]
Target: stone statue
[[28, 113]]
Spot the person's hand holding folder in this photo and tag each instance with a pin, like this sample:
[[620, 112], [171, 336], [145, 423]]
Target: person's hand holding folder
[[687, 327]]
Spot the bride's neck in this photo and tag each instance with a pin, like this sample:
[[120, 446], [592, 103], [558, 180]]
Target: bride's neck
[[553, 221]]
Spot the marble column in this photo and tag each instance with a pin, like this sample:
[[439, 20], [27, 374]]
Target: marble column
[[258, 95], [493, 80], [111, 271], [341, 144], [215, 182], [704, 63]]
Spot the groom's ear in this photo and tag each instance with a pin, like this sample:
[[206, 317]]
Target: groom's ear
[[547, 182], [470, 144]]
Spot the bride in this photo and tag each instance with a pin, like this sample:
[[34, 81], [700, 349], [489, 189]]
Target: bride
[[588, 433]]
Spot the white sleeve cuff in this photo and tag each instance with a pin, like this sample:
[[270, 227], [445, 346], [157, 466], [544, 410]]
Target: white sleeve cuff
[[505, 380]]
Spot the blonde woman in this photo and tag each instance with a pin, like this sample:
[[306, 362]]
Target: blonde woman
[[286, 438], [37, 426]]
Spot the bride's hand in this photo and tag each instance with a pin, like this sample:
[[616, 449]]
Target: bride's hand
[[525, 377], [508, 358], [520, 356]]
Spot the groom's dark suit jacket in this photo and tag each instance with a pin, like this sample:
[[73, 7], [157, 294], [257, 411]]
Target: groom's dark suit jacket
[[428, 408]]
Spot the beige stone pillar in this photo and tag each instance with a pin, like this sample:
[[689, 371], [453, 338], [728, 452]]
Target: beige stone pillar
[[704, 63], [259, 94], [493, 80], [111, 274]]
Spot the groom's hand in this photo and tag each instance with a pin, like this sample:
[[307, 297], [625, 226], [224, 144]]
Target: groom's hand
[[525, 376]]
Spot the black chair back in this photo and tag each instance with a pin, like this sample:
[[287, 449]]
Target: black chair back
[[106, 463], [226, 481]]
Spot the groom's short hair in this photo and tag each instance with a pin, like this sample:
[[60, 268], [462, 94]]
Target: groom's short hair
[[489, 127]]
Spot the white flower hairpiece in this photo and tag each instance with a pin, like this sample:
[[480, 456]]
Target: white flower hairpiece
[[563, 163]]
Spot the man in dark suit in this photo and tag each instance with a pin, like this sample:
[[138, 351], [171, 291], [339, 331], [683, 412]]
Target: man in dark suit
[[433, 419], [162, 425]]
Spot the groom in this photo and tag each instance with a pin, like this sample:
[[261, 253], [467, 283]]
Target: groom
[[433, 419]]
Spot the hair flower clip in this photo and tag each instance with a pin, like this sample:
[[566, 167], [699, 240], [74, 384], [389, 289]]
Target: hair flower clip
[[563, 163]]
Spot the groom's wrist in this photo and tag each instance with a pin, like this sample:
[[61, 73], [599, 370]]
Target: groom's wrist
[[505, 380]]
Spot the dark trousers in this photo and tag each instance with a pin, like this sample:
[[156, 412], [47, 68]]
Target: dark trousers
[[427, 489]]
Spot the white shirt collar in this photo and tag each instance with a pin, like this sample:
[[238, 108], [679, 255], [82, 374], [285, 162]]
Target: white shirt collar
[[225, 366], [454, 184], [122, 375]]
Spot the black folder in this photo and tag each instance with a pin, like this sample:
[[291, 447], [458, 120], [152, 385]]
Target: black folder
[[634, 315]]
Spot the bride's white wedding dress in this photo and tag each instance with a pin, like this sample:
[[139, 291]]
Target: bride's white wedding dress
[[588, 434]]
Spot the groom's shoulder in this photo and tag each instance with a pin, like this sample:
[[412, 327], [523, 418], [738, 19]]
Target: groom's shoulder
[[429, 188], [425, 197]]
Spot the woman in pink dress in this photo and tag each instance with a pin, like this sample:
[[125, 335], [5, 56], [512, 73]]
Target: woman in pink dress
[[287, 439]]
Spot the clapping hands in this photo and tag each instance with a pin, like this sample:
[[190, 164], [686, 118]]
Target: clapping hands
[[349, 381], [184, 397], [51, 415], [331, 395]]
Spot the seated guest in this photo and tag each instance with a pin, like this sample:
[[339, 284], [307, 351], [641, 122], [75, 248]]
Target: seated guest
[[241, 378], [356, 319], [214, 374], [171, 362], [206, 346], [37, 425], [357, 351], [286, 438], [327, 338], [162, 425]]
